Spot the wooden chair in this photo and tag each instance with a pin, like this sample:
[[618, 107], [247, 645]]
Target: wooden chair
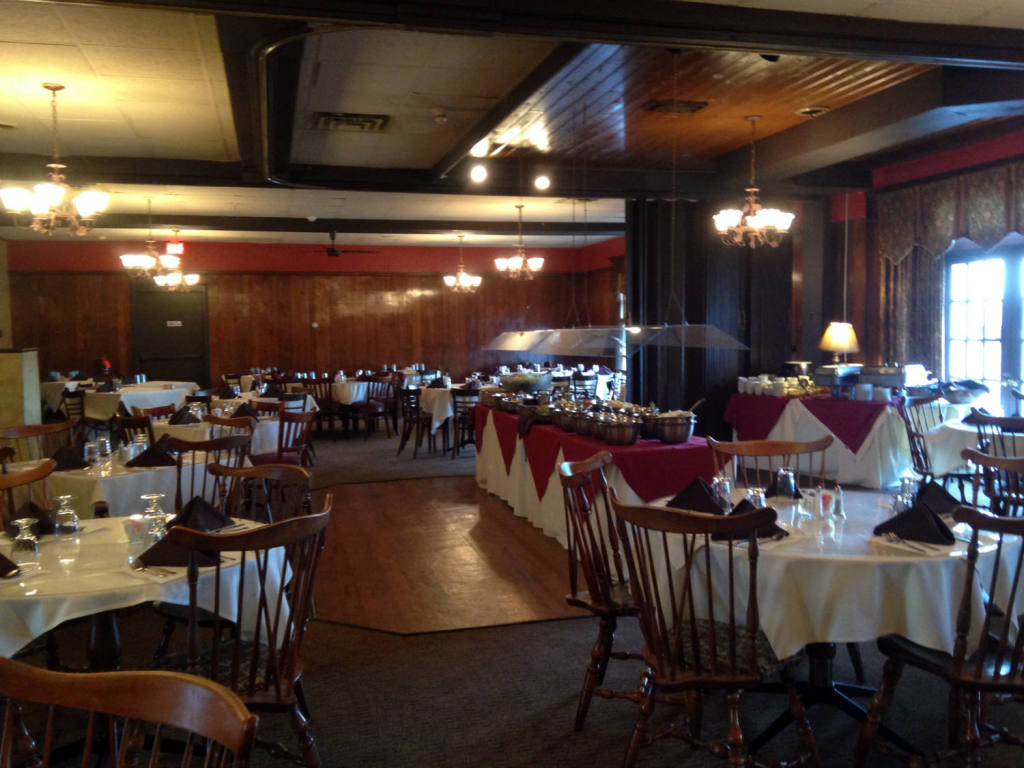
[[697, 635], [463, 424], [223, 426], [31, 486], [292, 440], [1000, 479], [375, 408], [293, 401], [987, 660], [594, 550], [146, 707], [267, 492], [329, 410], [230, 451], [126, 428], [157, 412], [754, 464], [73, 406], [38, 441], [998, 435], [920, 416], [583, 386], [415, 423], [261, 661], [272, 408], [1018, 398], [205, 399]]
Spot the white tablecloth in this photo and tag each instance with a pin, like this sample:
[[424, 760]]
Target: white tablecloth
[[120, 488], [826, 583], [228, 405], [882, 459], [438, 403], [103, 405], [92, 576], [348, 392]]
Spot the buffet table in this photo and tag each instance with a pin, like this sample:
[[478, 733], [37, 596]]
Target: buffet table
[[523, 470], [870, 447]]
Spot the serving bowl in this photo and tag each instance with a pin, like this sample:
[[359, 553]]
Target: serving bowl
[[675, 429]]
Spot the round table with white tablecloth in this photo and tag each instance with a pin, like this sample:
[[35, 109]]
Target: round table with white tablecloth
[[349, 392], [103, 406]]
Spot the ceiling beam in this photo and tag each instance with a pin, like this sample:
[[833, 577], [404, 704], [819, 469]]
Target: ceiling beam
[[936, 101], [666, 23], [358, 226]]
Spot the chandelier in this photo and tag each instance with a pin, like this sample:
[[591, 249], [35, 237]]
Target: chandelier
[[462, 281], [163, 268], [754, 225], [53, 204], [519, 267]]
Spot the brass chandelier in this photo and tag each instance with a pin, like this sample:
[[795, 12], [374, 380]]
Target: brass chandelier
[[162, 268], [753, 225], [462, 281], [519, 267], [54, 204]]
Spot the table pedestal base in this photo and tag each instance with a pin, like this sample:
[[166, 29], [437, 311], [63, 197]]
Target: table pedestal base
[[822, 688]]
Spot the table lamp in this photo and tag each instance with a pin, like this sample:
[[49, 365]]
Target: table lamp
[[839, 339]]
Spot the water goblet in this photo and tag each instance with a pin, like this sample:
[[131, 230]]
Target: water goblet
[[67, 518], [25, 546], [785, 483], [154, 517], [756, 497], [91, 454], [721, 487]]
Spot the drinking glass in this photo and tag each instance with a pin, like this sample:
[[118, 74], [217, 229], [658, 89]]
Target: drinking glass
[[25, 546], [721, 487], [154, 517], [91, 454], [756, 497], [140, 443], [785, 483], [67, 518]]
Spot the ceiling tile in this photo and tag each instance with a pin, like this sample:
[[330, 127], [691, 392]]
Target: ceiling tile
[[144, 62], [31, 23], [131, 28]]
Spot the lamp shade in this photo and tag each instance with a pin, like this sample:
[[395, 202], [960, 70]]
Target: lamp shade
[[839, 338]]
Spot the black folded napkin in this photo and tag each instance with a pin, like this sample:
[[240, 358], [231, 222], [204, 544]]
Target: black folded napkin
[[68, 458], [154, 456], [970, 417], [937, 499], [919, 523], [172, 555], [108, 386], [437, 383], [183, 416], [773, 490], [8, 568], [226, 391], [697, 496], [44, 519], [245, 410], [200, 515], [769, 531], [526, 420]]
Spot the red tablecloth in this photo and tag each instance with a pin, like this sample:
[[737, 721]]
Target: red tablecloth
[[753, 416], [651, 468]]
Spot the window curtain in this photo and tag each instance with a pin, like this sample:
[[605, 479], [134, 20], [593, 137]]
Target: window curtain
[[916, 226]]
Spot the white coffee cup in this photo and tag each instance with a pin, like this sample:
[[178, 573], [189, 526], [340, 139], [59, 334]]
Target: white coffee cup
[[883, 394], [864, 391]]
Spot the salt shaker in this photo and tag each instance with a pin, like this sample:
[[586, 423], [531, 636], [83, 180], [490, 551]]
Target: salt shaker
[[838, 510]]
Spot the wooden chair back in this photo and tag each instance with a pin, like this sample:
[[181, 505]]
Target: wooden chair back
[[41, 707], [590, 525], [1001, 479], [232, 379], [463, 401], [920, 415], [409, 400], [272, 408], [998, 435], [16, 488], [293, 401], [699, 624], [157, 412], [1018, 397], [73, 404], [992, 659], [755, 462], [266, 492], [293, 435], [229, 451], [581, 385], [379, 388], [261, 661], [223, 426], [320, 389], [205, 400], [38, 441], [127, 427]]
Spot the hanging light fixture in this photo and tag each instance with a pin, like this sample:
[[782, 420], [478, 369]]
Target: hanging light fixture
[[462, 281], [161, 267], [754, 225], [54, 204], [519, 267]]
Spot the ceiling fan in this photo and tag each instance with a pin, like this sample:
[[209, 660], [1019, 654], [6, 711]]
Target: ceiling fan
[[334, 252]]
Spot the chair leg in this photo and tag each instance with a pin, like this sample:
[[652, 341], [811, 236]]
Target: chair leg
[[857, 661], [734, 735], [300, 724], [165, 639], [647, 689], [879, 704], [594, 676], [972, 732], [810, 754]]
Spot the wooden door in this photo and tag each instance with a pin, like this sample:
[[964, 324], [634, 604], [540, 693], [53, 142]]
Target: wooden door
[[169, 334]]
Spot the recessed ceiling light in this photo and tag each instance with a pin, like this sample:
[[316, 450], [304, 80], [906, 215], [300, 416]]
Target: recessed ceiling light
[[816, 110], [478, 173], [542, 182], [481, 148]]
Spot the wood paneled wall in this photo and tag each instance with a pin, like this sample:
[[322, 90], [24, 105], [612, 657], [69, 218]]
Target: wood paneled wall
[[361, 320]]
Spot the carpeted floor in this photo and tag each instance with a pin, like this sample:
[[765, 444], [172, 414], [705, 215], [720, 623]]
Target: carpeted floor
[[355, 460]]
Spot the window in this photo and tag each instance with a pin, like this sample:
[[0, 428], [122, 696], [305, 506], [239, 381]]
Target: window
[[984, 334]]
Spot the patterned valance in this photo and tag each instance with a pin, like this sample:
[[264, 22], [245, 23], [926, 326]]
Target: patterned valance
[[983, 205]]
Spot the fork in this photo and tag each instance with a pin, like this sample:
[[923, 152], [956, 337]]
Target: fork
[[921, 547]]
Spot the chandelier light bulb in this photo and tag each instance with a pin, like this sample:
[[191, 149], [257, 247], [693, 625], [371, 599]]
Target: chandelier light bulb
[[191, 279], [519, 266], [501, 264], [169, 261], [15, 198]]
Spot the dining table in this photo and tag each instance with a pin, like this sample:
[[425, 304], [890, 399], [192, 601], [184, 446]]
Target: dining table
[[90, 574], [103, 406], [522, 469]]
